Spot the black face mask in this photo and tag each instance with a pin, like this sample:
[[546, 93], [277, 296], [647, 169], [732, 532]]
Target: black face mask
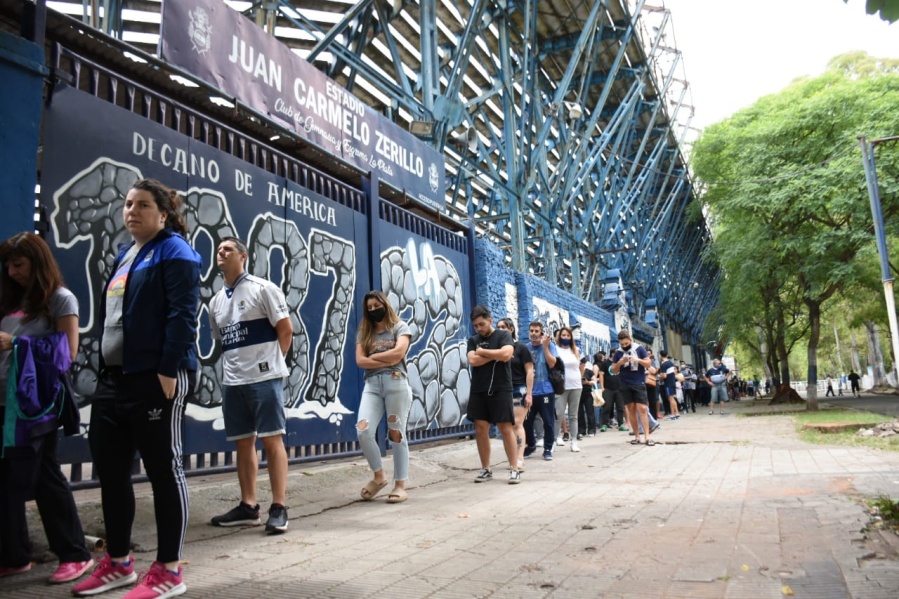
[[376, 315]]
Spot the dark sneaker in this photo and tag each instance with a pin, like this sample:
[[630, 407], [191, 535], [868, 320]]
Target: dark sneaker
[[242, 515], [528, 451], [277, 519], [655, 427], [547, 455], [483, 476], [566, 437]]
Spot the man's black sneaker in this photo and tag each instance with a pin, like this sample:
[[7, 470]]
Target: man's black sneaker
[[566, 437], [483, 476], [277, 519], [242, 515]]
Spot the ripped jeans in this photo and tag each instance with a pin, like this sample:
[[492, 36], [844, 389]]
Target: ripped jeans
[[384, 393]]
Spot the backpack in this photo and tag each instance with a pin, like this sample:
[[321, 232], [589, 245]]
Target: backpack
[[557, 377]]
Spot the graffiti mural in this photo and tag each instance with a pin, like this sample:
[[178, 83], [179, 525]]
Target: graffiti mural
[[552, 316], [512, 306], [427, 292], [305, 242], [310, 245], [88, 208], [592, 337]]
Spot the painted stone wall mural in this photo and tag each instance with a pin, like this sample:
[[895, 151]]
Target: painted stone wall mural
[[427, 292]]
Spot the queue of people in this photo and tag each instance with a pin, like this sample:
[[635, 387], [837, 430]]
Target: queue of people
[[539, 394]]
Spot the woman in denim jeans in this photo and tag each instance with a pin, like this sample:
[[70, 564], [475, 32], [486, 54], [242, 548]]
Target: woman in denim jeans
[[381, 347]]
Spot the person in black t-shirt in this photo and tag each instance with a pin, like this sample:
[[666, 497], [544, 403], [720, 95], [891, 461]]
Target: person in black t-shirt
[[522, 365], [611, 392], [490, 399]]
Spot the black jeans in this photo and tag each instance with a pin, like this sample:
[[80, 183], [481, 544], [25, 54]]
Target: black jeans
[[545, 405], [586, 422], [690, 399], [614, 402], [652, 394], [38, 477], [130, 414]]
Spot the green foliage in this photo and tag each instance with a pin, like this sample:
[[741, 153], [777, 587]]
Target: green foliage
[[888, 9], [839, 416], [886, 508], [785, 192], [850, 439]]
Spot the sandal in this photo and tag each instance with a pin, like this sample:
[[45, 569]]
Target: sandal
[[635, 442], [372, 488], [397, 496], [650, 443]]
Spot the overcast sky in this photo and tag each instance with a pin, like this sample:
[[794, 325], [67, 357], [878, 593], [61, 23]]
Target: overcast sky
[[734, 52]]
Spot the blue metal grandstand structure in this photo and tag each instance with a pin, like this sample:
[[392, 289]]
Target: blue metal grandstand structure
[[564, 124]]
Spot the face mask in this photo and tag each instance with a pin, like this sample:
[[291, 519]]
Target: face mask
[[565, 342], [376, 315]]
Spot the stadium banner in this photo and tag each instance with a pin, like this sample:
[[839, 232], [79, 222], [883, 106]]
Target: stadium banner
[[227, 50]]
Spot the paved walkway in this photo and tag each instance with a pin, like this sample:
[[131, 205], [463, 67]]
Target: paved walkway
[[724, 507]]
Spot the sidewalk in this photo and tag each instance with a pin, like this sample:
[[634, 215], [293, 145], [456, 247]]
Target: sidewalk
[[723, 506]]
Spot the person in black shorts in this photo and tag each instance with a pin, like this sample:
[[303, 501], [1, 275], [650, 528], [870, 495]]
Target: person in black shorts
[[490, 400], [630, 363]]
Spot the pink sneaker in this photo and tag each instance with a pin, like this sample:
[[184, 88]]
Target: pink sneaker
[[158, 583], [69, 571], [106, 576], [10, 571]]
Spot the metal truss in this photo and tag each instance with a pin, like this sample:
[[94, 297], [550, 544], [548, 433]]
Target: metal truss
[[564, 125]]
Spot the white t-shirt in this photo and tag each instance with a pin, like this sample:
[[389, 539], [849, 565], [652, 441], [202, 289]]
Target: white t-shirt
[[572, 368], [243, 318]]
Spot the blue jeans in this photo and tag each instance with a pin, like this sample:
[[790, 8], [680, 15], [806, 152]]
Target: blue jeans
[[385, 393]]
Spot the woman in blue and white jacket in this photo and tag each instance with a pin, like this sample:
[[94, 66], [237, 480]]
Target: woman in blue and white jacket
[[148, 364]]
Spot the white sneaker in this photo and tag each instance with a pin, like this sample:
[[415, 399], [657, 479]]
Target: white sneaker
[[560, 441], [574, 446], [539, 442]]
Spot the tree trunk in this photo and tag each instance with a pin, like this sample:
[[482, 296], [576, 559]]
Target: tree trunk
[[875, 355], [783, 361], [836, 337], [814, 320], [856, 363], [763, 350]]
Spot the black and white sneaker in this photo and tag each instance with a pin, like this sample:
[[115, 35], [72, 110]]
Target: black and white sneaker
[[483, 476], [242, 515], [514, 477], [277, 519]]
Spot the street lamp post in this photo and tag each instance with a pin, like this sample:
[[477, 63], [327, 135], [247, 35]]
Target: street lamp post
[[877, 214]]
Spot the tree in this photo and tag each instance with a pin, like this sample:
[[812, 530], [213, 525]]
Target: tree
[[888, 9], [787, 174]]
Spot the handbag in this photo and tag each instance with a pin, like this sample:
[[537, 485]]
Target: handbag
[[598, 400], [557, 377]]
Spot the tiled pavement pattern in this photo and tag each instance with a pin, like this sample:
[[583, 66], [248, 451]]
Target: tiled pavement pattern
[[724, 507]]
